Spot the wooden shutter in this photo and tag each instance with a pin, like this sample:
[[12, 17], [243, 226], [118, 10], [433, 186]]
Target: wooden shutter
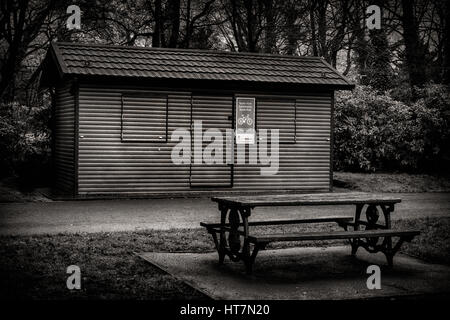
[[144, 118]]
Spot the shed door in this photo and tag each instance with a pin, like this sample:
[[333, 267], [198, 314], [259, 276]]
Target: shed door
[[216, 113]]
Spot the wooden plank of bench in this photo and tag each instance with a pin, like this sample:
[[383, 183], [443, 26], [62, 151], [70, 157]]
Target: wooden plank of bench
[[331, 235], [282, 222], [226, 228], [308, 199], [217, 227], [364, 223]]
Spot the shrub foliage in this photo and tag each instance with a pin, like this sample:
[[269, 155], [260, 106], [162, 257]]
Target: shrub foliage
[[25, 142], [373, 131]]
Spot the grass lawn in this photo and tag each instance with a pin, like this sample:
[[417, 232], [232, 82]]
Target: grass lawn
[[391, 182], [33, 267]]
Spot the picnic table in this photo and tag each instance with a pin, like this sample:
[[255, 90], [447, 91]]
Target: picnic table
[[232, 236]]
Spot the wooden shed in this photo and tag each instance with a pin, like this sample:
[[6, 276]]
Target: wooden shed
[[116, 107]]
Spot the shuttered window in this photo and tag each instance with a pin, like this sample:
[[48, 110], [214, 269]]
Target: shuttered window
[[277, 114], [144, 118]]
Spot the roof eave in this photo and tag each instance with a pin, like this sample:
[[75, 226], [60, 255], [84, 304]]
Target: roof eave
[[58, 58], [53, 61], [350, 85], [178, 82]]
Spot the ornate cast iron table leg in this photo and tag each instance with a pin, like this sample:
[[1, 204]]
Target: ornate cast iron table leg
[[246, 256], [222, 240], [389, 253], [231, 245], [374, 244], [234, 241], [355, 242]]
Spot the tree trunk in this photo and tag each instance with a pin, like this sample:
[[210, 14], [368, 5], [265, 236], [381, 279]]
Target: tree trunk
[[187, 37], [380, 73], [322, 29], [415, 55], [270, 40], [174, 14], [156, 39], [251, 41], [292, 39], [16, 49], [361, 44], [446, 55], [235, 19], [312, 21]]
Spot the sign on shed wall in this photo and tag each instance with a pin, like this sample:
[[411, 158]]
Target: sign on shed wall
[[245, 120]]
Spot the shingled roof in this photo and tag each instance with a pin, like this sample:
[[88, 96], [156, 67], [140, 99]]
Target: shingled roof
[[160, 63]]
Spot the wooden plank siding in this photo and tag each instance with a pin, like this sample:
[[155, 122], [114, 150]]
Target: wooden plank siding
[[107, 165], [64, 139]]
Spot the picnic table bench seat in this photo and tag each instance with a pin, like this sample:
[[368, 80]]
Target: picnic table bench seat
[[374, 236], [334, 235], [337, 219], [354, 237]]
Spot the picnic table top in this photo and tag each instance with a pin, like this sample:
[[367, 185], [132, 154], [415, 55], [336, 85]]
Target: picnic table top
[[344, 198]]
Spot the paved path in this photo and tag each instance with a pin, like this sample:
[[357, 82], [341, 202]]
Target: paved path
[[325, 273], [126, 215]]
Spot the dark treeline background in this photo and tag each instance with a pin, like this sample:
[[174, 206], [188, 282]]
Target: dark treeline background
[[397, 118]]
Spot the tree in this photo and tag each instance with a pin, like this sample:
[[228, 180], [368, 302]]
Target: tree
[[446, 43], [329, 22], [175, 26], [246, 23], [20, 25], [378, 71], [294, 28], [199, 20], [270, 16]]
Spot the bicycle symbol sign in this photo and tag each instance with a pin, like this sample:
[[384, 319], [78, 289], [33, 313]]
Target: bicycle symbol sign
[[245, 120]]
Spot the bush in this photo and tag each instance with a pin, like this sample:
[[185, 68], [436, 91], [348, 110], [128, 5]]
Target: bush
[[375, 132], [24, 143]]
